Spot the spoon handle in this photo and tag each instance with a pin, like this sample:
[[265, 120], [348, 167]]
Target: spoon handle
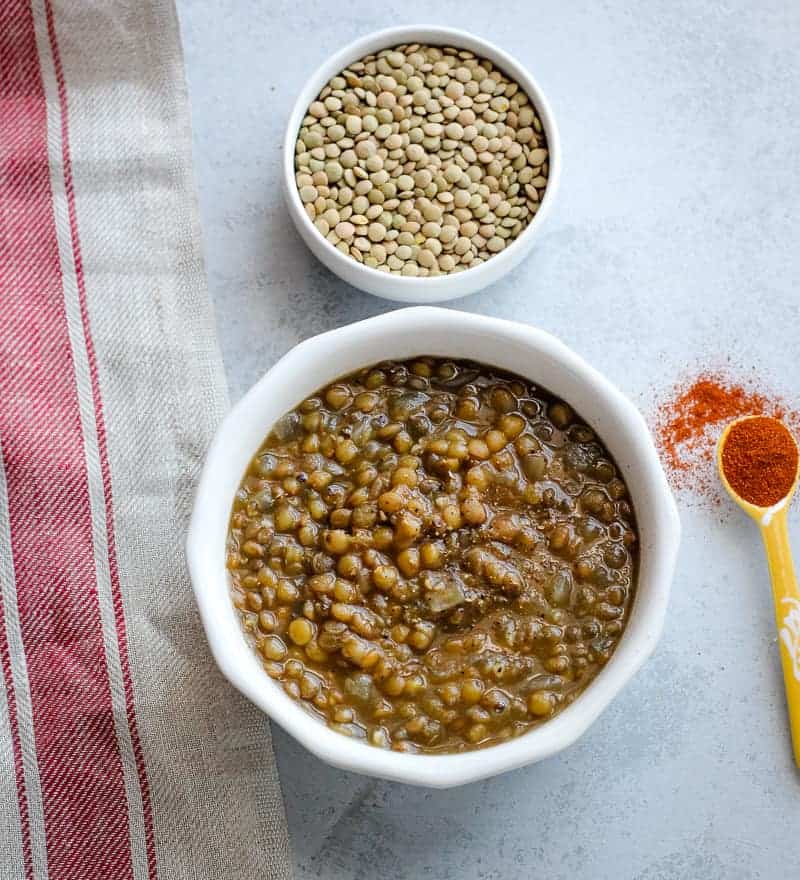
[[787, 614]]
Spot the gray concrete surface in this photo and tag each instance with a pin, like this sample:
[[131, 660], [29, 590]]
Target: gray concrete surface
[[674, 244]]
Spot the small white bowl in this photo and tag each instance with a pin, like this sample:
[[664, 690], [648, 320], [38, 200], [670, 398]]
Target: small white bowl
[[398, 335], [398, 287]]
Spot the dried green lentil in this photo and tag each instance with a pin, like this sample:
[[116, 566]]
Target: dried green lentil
[[439, 136]]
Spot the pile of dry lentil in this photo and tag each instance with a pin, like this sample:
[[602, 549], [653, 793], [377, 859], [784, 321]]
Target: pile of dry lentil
[[433, 556], [421, 160]]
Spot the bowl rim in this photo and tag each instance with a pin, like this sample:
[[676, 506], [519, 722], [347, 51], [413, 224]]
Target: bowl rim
[[441, 287], [445, 770]]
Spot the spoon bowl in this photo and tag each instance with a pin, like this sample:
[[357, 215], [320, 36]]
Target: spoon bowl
[[761, 514]]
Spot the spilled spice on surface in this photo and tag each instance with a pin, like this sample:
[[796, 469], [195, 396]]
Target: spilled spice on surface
[[690, 420]]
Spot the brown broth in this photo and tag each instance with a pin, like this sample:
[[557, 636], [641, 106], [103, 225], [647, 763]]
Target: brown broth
[[433, 555]]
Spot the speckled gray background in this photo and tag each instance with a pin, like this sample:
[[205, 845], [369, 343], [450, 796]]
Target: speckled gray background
[[675, 242]]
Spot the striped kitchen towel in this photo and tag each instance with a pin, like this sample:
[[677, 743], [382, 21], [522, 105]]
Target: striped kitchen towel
[[123, 753]]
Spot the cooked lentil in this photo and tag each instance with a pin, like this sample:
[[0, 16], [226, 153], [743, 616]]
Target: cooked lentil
[[433, 556], [421, 160]]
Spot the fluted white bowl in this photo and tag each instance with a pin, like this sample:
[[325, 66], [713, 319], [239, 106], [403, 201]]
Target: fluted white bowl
[[521, 349]]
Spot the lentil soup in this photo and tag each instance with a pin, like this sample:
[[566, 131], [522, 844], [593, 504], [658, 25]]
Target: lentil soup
[[433, 556]]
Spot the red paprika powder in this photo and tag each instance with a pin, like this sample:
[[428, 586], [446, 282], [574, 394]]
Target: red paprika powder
[[691, 418], [759, 460]]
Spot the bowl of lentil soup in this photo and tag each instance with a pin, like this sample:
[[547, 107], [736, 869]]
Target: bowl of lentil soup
[[457, 642], [420, 163]]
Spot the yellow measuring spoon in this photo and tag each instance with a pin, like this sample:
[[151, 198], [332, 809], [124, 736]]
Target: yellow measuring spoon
[[772, 521]]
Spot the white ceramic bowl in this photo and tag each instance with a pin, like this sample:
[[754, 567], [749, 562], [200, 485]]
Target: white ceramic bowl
[[403, 334], [384, 284]]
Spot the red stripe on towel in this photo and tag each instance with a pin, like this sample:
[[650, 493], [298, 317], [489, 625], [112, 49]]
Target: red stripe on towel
[[83, 794], [119, 613]]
